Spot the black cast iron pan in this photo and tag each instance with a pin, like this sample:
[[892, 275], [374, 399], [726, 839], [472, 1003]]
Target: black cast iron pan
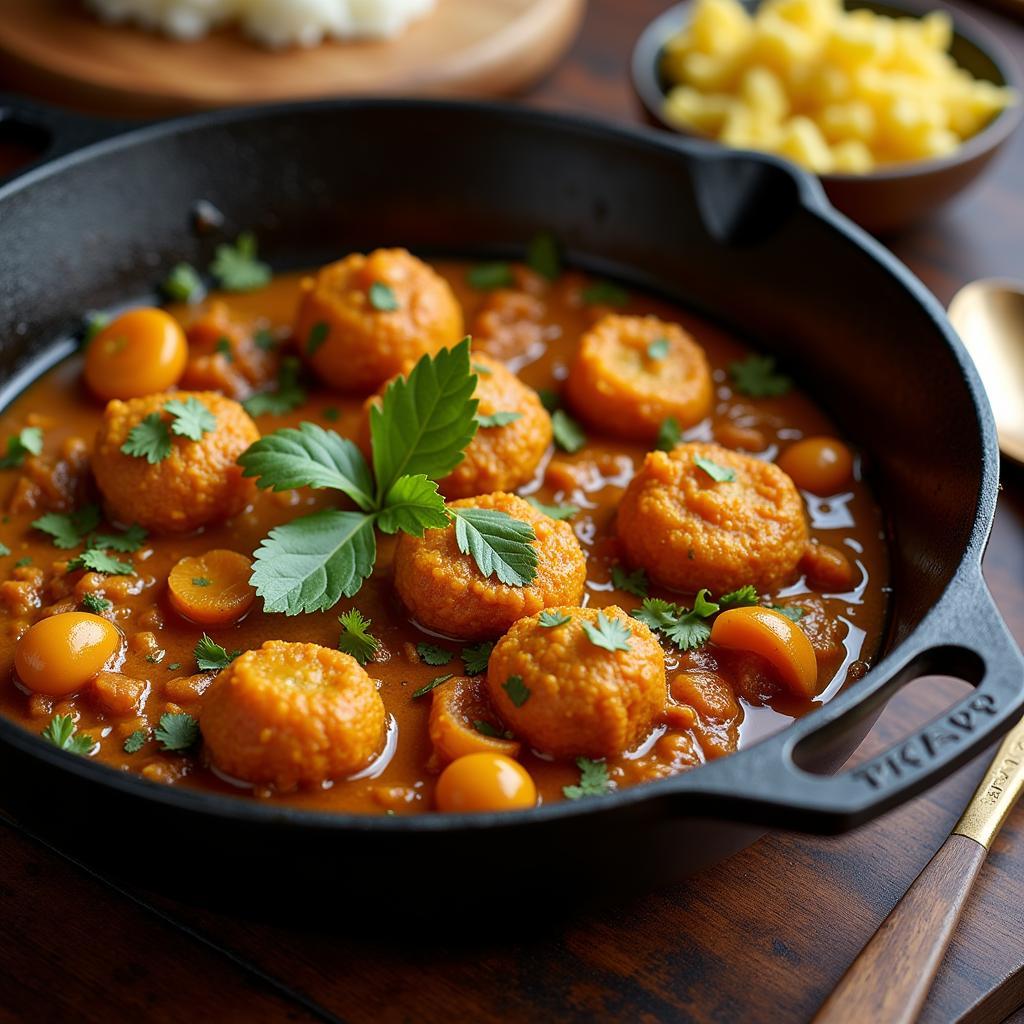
[[741, 237]]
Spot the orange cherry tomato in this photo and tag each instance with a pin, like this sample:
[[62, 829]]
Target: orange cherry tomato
[[212, 589], [485, 782], [776, 638], [821, 465], [59, 655], [141, 352]]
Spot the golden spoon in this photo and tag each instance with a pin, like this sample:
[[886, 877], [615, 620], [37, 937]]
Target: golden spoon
[[989, 317], [890, 979]]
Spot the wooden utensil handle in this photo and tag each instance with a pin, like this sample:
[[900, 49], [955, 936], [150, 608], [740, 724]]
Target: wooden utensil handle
[[890, 979]]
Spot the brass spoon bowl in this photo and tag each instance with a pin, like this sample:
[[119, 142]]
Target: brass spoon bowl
[[989, 317]]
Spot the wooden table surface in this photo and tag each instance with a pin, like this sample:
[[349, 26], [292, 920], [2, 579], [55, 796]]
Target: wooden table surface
[[761, 937]]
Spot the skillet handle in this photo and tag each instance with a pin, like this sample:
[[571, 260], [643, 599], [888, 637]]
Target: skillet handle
[[782, 783], [49, 132]]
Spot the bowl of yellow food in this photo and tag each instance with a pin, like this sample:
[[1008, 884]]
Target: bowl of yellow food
[[896, 109]]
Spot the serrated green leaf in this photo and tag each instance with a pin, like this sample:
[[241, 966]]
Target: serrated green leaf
[[287, 395], [312, 562], [555, 511], [236, 267], [499, 545], [793, 612], [309, 457], [211, 656], [669, 434], [433, 655], [63, 734], [150, 439], [126, 541], [634, 583], [475, 658], [69, 530], [412, 506], [594, 780], [610, 633], [183, 284], [552, 620], [96, 604], [518, 692], [176, 731], [356, 639], [191, 418], [135, 742], [742, 597], [28, 441], [96, 560], [756, 376]]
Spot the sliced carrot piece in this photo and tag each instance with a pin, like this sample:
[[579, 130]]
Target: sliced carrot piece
[[776, 638], [212, 589], [459, 710]]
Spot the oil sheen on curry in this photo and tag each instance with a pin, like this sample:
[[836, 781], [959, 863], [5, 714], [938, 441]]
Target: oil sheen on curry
[[394, 538]]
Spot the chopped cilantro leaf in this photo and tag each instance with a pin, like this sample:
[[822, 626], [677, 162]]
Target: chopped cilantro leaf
[[486, 277], [135, 742], [518, 692], [555, 511], [356, 638], [223, 347], [475, 658], [22, 562], [4, 550], [605, 293], [174, 666], [431, 654], [756, 376], [318, 334], [96, 604], [156, 657], [264, 340], [743, 597], [489, 729], [658, 348], [686, 629], [634, 583], [433, 682], [610, 633], [69, 530], [569, 435], [669, 434], [191, 418], [97, 560], [28, 441], [594, 780], [382, 297], [150, 439], [552, 620], [236, 267], [720, 474], [543, 257], [288, 394], [63, 734], [211, 657], [183, 284], [793, 612], [126, 541], [177, 732], [93, 323], [498, 419], [549, 398], [200, 581]]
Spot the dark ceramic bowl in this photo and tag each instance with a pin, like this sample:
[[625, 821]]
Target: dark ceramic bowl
[[896, 196]]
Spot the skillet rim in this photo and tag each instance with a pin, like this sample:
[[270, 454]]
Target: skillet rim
[[811, 196]]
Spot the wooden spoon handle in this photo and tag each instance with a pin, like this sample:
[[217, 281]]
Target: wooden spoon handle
[[890, 979]]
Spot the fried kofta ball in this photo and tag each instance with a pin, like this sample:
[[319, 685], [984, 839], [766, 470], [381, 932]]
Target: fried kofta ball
[[445, 591], [196, 483], [689, 530], [292, 714], [565, 695], [363, 319], [631, 373], [513, 435]]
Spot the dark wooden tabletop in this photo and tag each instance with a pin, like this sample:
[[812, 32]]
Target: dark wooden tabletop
[[762, 937]]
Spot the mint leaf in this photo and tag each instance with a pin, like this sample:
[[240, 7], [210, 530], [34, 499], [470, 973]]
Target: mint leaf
[[669, 434], [211, 657], [594, 780], [177, 732], [191, 418], [68, 531], [382, 297], [568, 434], [605, 293], [28, 441], [236, 267], [518, 692], [499, 545], [475, 658], [658, 349], [356, 639], [149, 439], [743, 597], [412, 506], [555, 511], [309, 457], [498, 419], [425, 420], [720, 474], [756, 376], [611, 634], [430, 686], [543, 257], [287, 395], [552, 620], [431, 654], [486, 277], [96, 560], [312, 562], [183, 284]]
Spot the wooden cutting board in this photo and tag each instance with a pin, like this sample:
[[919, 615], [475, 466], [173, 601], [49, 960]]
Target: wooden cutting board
[[56, 50]]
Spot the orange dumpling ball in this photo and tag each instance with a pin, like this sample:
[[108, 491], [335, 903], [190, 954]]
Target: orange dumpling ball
[[291, 714], [631, 373], [365, 318], [445, 591], [196, 482], [689, 530], [565, 695]]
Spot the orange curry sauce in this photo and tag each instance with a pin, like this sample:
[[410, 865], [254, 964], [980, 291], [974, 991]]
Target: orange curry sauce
[[160, 644]]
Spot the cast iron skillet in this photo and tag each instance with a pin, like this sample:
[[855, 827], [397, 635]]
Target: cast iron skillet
[[741, 237]]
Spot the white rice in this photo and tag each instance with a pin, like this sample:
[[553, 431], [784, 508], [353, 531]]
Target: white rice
[[274, 23]]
